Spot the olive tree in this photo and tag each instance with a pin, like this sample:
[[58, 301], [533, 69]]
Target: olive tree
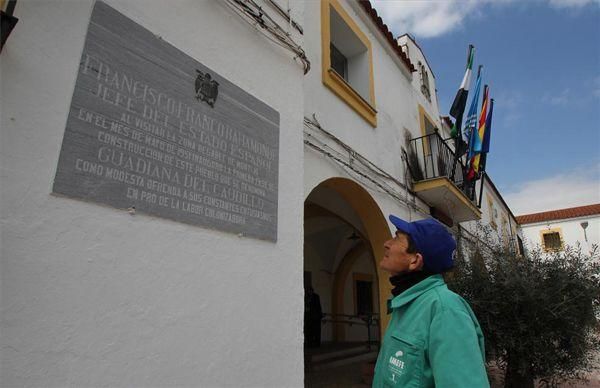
[[538, 311]]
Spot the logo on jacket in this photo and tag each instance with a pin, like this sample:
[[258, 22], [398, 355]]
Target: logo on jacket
[[207, 89], [396, 362], [395, 365]]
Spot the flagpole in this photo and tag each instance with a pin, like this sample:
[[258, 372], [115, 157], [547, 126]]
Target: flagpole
[[483, 175]]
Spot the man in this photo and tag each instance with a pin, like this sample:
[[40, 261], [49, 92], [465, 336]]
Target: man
[[433, 338], [312, 318]]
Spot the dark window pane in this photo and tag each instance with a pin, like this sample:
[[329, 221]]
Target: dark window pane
[[521, 248], [429, 127], [364, 297], [339, 62], [552, 240]]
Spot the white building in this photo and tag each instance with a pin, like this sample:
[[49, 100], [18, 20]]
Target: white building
[[496, 214], [112, 275], [553, 230], [368, 111], [95, 296]]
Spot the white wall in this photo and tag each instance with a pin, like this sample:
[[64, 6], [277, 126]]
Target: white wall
[[393, 95], [431, 106], [572, 232], [500, 212], [397, 113], [92, 296]]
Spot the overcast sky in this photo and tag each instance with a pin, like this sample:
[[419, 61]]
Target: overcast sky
[[541, 59]]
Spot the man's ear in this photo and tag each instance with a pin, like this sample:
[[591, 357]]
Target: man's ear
[[416, 262]]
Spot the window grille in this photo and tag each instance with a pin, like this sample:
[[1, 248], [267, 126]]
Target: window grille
[[425, 82], [552, 241]]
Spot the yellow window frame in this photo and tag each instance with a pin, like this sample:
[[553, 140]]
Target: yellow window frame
[[331, 79], [550, 231], [423, 115]]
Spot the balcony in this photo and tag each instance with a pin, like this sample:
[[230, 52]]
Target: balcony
[[438, 179]]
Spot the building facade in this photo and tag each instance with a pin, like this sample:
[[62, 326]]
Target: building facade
[[497, 219], [556, 229], [97, 295], [171, 186]]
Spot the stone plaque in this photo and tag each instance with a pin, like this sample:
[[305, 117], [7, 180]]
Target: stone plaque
[[150, 127]]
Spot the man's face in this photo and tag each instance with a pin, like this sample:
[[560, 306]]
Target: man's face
[[395, 258]]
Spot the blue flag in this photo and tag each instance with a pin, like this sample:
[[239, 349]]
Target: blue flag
[[471, 122]]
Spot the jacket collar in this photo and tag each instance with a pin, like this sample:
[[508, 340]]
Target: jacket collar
[[417, 290]]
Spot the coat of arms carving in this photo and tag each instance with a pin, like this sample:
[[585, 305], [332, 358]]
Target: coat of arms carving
[[207, 89]]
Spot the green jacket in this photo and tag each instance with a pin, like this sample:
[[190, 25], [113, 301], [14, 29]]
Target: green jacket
[[433, 340]]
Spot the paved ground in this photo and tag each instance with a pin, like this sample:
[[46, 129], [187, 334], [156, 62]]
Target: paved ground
[[349, 376]]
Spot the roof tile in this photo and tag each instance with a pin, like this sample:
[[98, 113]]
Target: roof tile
[[572, 212], [372, 12]]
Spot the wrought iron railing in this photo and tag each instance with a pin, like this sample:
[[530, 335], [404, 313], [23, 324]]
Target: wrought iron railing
[[369, 320], [430, 157]]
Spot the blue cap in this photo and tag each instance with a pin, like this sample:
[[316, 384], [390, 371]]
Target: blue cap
[[432, 240]]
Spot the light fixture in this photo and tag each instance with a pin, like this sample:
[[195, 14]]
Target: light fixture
[[584, 225], [354, 236]]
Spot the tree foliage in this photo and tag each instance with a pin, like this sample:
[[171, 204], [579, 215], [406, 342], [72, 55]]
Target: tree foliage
[[538, 311]]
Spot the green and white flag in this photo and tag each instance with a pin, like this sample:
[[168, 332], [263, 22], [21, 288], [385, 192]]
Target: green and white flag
[[460, 101]]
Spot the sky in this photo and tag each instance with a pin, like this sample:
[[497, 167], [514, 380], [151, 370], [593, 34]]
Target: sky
[[541, 59]]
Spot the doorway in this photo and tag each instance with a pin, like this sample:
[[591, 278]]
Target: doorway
[[344, 231]]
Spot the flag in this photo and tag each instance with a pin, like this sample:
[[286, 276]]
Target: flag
[[460, 101], [471, 121], [485, 148], [477, 138]]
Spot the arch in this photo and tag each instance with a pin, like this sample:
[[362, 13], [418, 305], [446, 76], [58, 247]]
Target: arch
[[376, 232], [337, 296], [313, 210]]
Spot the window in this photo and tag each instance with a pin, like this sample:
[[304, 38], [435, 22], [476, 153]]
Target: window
[[363, 293], [347, 60], [520, 244], [424, 81], [427, 128], [339, 62], [364, 297], [552, 240], [404, 48]]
